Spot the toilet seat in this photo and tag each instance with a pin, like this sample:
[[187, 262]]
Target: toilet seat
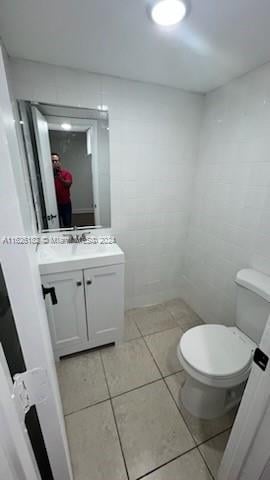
[[216, 355]]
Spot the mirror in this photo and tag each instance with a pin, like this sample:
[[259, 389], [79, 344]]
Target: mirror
[[67, 152]]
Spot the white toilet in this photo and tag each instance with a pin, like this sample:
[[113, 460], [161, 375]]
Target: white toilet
[[217, 359]]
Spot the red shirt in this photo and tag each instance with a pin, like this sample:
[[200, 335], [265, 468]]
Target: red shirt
[[62, 191]]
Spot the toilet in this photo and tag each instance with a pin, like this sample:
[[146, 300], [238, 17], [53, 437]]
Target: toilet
[[217, 359]]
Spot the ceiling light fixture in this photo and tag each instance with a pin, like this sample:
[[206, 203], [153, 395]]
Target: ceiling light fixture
[[168, 13], [66, 126]]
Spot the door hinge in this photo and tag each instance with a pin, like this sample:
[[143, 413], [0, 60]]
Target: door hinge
[[30, 388], [261, 359]]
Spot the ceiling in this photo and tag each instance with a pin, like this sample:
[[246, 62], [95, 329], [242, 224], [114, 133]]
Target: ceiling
[[219, 40]]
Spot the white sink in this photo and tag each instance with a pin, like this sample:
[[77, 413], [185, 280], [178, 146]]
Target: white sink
[[75, 256]]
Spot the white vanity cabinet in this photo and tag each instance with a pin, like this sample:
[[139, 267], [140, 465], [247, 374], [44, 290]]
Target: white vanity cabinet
[[67, 319], [104, 303], [89, 310]]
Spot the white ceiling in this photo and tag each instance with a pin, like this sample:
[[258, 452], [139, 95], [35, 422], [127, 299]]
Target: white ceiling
[[219, 40]]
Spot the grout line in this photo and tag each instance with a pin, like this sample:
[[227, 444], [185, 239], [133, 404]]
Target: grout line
[[206, 464], [181, 327], [163, 377], [137, 327], [214, 436], [193, 437], [178, 408], [115, 421], [131, 339], [177, 327], [105, 376], [104, 373], [153, 358], [166, 463], [131, 389], [198, 444], [87, 406], [173, 317], [156, 363], [158, 331], [187, 426], [119, 439], [137, 388], [174, 373], [117, 395]]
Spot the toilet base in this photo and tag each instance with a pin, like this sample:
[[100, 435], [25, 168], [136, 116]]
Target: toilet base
[[207, 402]]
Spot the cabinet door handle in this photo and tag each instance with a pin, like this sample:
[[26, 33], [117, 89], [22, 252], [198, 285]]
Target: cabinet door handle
[[51, 217], [79, 284], [50, 291], [88, 282]]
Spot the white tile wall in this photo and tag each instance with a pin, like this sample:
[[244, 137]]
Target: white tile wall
[[230, 221], [154, 133]]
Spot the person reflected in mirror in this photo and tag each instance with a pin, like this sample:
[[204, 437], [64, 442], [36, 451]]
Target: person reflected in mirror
[[63, 182]]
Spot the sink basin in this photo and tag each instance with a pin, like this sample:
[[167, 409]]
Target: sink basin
[[76, 256]]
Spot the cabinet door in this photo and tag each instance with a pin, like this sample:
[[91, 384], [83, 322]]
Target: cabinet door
[[104, 294], [67, 319]]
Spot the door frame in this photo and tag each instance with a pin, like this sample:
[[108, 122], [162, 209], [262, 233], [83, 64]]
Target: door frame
[[32, 163], [94, 167], [45, 163], [247, 454], [20, 268]]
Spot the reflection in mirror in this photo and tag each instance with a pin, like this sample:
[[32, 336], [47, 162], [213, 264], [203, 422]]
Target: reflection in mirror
[[67, 151]]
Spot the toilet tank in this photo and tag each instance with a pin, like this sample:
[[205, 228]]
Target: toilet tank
[[253, 302]]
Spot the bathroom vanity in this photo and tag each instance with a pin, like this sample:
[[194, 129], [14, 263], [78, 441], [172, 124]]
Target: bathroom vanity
[[88, 282], [83, 282]]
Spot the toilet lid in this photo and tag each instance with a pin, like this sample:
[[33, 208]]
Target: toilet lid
[[215, 350]]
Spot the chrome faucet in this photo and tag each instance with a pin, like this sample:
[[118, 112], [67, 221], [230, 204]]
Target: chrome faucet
[[82, 237]]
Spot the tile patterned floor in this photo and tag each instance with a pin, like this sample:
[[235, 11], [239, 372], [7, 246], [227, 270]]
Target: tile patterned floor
[[122, 406]]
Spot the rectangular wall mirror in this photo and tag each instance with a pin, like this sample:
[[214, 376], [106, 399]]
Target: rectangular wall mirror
[[68, 160]]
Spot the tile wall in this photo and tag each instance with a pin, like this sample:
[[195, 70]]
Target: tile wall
[[153, 141], [230, 221], [190, 180]]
